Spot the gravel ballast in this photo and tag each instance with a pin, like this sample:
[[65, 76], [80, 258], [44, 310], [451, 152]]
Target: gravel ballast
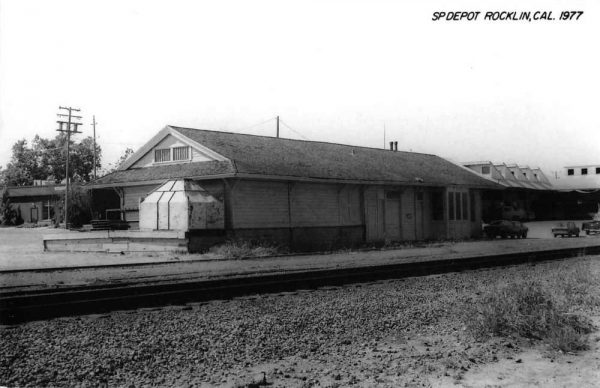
[[391, 333]]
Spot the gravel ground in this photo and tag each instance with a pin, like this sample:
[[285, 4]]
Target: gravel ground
[[395, 333]]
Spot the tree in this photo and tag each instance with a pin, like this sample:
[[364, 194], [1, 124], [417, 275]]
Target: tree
[[113, 167], [46, 159]]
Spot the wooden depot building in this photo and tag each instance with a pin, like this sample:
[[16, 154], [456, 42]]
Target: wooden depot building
[[307, 195]]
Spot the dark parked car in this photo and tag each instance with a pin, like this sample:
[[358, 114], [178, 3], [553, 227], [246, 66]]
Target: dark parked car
[[504, 229], [591, 227]]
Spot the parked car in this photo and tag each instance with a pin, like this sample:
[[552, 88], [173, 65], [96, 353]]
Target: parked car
[[591, 227], [569, 229], [505, 228]]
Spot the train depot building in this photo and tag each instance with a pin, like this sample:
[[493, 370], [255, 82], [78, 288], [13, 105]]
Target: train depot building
[[214, 186]]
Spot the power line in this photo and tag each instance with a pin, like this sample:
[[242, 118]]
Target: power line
[[293, 130], [256, 125]]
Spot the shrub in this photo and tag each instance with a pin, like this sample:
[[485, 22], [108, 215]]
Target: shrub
[[238, 249], [8, 214], [80, 210], [529, 309]]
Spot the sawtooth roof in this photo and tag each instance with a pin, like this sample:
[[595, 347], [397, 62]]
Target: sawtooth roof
[[251, 155]]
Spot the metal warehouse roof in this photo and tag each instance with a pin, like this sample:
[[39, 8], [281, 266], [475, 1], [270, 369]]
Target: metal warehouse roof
[[270, 157]]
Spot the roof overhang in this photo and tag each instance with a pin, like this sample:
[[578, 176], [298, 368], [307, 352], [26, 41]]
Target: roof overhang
[[288, 178]]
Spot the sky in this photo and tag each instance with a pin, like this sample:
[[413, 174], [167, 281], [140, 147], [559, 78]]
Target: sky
[[336, 71]]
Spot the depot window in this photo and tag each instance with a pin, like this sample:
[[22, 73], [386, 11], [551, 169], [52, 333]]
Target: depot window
[[181, 153], [485, 169], [584, 171], [571, 171], [162, 155], [597, 170]]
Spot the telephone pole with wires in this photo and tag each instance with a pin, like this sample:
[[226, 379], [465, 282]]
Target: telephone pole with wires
[[66, 126], [94, 126]]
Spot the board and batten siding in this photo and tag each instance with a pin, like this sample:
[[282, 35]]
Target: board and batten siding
[[374, 198], [263, 204], [259, 204], [324, 205]]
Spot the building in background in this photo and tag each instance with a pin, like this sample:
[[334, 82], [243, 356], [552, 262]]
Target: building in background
[[578, 191], [38, 203], [525, 195]]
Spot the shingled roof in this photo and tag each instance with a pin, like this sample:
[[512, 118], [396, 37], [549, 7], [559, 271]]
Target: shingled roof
[[262, 156]]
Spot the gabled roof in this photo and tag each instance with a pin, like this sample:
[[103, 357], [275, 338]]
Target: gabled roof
[[278, 158]]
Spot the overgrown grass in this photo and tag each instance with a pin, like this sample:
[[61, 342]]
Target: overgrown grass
[[238, 250], [548, 308]]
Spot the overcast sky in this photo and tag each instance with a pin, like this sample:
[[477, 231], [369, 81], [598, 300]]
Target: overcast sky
[[337, 71]]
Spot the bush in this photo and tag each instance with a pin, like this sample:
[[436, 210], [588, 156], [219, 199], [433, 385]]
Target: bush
[[529, 309], [9, 215], [236, 250], [80, 207]]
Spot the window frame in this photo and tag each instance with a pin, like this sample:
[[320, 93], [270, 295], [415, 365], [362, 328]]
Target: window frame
[[162, 151], [174, 150]]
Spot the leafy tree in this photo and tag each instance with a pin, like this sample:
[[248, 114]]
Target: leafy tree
[[113, 167], [46, 159]]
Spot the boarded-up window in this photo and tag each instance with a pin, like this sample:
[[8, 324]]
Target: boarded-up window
[[451, 205], [162, 155], [437, 205], [181, 153]]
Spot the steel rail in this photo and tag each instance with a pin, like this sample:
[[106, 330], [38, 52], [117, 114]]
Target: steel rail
[[17, 307]]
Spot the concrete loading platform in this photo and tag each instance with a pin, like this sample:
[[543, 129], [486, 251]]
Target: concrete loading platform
[[117, 241]]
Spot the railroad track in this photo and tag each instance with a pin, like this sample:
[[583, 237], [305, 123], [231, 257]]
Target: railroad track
[[17, 307]]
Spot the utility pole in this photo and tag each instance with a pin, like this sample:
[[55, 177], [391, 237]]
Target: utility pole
[[94, 125], [69, 123], [277, 126]]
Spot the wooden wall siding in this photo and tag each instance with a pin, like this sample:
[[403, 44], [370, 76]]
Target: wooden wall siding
[[408, 216], [265, 204], [374, 214], [351, 211], [476, 228], [132, 197], [168, 142], [259, 204], [324, 205]]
